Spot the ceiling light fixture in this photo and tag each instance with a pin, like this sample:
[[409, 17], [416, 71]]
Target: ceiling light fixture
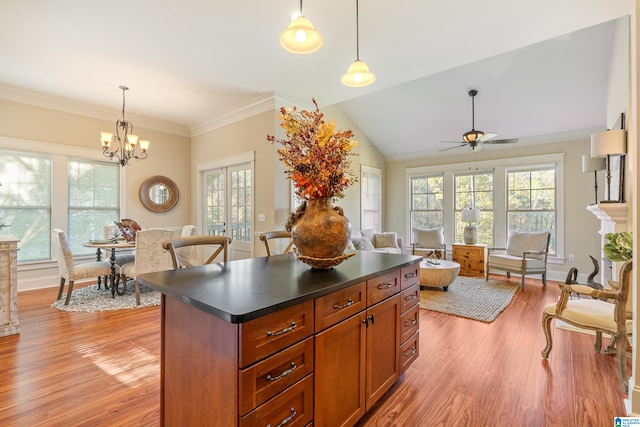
[[126, 143], [473, 135], [300, 37], [358, 74]]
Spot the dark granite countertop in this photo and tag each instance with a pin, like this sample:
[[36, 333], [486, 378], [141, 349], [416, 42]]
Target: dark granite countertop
[[242, 290]]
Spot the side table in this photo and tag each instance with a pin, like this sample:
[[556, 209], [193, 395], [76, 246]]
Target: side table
[[472, 258]]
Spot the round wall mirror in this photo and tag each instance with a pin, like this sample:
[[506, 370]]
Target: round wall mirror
[[159, 193]]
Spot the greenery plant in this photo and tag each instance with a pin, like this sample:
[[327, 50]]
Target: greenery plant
[[619, 246]]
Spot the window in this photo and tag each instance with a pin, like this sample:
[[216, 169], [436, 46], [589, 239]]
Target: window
[[371, 199], [25, 202], [93, 200], [427, 210], [474, 190], [531, 201]]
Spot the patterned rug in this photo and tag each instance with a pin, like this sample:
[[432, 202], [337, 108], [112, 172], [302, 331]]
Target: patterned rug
[[472, 298], [91, 299]]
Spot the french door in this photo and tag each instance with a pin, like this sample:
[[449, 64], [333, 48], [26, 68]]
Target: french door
[[228, 207]]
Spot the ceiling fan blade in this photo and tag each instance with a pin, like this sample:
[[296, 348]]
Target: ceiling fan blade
[[501, 141], [451, 148], [487, 137]]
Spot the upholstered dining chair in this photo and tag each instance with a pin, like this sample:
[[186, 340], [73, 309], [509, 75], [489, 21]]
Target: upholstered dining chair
[[150, 256], [603, 311], [428, 240], [272, 238], [71, 271], [174, 246], [526, 253]]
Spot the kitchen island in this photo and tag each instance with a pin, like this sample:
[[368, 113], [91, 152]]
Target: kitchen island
[[270, 341]]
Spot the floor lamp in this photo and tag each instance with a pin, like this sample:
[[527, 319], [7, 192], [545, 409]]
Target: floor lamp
[[593, 164], [606, 144]]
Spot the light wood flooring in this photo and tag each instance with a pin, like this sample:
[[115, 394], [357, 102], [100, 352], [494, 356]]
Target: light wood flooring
[[103, 369]]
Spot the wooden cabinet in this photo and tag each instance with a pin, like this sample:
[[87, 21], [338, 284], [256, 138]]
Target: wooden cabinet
[[324, 361], [472, 258]]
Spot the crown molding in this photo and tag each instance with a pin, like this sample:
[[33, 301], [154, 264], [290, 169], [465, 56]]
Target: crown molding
[[65, 105]]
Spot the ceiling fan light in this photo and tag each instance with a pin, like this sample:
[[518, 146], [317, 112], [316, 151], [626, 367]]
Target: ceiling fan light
[[473, 135], [358, 75], [300, 37]]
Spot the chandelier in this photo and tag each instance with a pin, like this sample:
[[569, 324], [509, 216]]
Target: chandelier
[[124, 141]]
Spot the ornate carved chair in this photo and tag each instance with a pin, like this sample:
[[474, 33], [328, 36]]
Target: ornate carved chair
[[276, 236], [71, 271], [175, 246], [603, 311], [526, 253], [150, 256], [429, 242]]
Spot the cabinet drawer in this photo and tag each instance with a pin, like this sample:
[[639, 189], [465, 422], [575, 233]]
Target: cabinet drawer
[[265, 335], [409, 297], [333, 308], [265, 379], [410, 275], [293, 408], [409, 351], [409, 323], [382, 287]]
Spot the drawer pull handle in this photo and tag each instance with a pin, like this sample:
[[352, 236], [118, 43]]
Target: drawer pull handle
[[410, 275], [283, 331], [410, 297], [385, 285], [410, 323], [284, 374], [345, 305], [286, 420], [411, 352]]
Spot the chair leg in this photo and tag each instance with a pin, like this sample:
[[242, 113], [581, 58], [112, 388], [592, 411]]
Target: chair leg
[[508, 275], [61, 288], [522, 282], [137, 292], [621, 358], [598, 344], [69, 290], [544, 279], [546, 327]]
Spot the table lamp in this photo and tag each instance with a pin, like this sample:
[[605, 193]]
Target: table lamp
[[606, 144], [470, 216], [593, 164]]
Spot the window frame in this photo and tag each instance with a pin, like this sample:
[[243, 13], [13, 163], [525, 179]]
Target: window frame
[[500, 193], [411, 209], [364, 171]]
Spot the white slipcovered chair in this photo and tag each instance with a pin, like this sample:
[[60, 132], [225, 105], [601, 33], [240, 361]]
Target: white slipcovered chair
[[71, 271], [150, 256], [427, 241], [526, 253], [603, 311]]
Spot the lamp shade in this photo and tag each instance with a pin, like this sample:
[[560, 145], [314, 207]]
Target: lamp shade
[[358, 75], [609, 142], [592, 164], [300, 37], [470, 215]]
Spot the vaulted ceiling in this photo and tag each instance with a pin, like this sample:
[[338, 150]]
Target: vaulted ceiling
[[540, 67]]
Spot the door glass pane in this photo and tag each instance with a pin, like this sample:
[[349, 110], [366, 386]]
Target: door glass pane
[[215, 206], [241, 205]]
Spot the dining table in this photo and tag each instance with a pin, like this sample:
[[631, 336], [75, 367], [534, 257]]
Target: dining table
[[113, 246]]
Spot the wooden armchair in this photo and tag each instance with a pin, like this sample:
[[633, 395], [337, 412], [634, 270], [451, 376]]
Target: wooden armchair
[[607, 311], [176, 247], [526, 253], [276, 236]]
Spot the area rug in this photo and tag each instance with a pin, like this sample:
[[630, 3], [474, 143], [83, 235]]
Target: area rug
[[471, 298], [91, 299]]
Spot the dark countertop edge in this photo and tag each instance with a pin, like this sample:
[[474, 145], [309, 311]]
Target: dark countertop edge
[[255, 314]]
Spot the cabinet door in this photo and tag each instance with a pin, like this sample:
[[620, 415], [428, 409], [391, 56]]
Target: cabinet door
[[339, 390], [383, 346]]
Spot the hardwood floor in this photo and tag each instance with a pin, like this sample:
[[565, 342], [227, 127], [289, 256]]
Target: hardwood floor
[[67, 369]]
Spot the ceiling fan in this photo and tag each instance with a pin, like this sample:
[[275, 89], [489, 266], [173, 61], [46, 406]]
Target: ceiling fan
[[475, 137]]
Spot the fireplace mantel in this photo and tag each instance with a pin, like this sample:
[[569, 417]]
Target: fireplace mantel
[[613, 219]]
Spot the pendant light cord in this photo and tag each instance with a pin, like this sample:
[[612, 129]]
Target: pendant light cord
[[357, 33]]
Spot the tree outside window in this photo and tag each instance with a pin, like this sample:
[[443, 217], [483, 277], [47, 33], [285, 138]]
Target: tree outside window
[[427, 209], [474, 190]]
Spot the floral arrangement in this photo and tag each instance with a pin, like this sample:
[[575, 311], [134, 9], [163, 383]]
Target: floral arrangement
[[619, 246], [316, 156]]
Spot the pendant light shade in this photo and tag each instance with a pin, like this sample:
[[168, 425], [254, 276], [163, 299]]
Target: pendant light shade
[[358, 74], [300, 36]]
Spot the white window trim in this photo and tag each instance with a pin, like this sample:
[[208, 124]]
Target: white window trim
[[500, 188], [373, 171]]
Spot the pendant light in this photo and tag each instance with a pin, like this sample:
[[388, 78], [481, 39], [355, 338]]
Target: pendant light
[[358, 74], [300, 37]]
